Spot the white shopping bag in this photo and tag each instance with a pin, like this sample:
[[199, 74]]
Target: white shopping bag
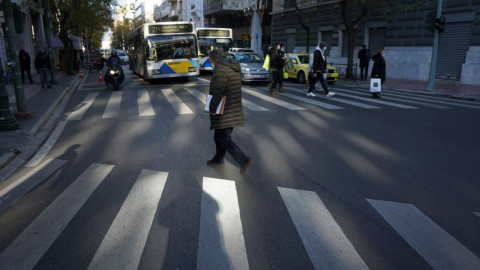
[[375, 85]]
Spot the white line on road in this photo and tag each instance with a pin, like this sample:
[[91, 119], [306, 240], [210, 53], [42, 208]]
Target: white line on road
[[31, 179], [78, 112], [221, 244], [144, 105], [27, 249], [47, 146], [326, 244], [377, 101], [278, 102], [434, 244], [113, 106], [477, 213], [313, 102], [176, 103], [124, 242], [202, 97], [341, 100]]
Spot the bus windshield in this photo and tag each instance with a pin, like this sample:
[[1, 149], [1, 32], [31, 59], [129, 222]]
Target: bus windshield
[[171, 47], [208, 44]]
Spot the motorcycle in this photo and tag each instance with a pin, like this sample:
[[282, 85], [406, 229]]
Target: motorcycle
[[114, 76]]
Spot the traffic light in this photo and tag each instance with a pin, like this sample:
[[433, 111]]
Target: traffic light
[[430, 21], [440, 24]]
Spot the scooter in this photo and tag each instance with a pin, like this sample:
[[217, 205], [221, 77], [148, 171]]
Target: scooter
[[114, 76]]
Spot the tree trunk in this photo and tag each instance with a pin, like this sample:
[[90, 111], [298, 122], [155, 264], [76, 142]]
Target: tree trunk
[[351, 47]]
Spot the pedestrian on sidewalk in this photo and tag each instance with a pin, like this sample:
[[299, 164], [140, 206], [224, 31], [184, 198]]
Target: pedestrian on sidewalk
[[276, 66], [226, 81], [364, 55], [25, 62], [42, 65], [319, 68], [379, 68]]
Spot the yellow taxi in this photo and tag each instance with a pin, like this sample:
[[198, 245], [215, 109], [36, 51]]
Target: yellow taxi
[[297, 68]]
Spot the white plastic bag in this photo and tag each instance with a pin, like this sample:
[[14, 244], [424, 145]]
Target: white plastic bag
[[375, 85]]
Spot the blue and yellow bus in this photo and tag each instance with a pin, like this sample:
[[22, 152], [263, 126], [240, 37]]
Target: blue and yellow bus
[[164, 50], [212, 38]]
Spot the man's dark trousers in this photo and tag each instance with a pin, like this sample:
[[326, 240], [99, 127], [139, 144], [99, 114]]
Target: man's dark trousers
[[224, 143]]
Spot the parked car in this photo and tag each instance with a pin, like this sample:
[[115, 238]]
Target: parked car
[[123, 56], [297, 68], [252, 66], [234, 49]]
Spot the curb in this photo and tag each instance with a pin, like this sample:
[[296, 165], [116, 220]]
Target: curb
[[8, 157]]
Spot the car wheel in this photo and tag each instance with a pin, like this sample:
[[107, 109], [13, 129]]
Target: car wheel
[[301, 77]]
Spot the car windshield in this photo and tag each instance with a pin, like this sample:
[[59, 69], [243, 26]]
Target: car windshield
[[208, 44], [303, 59], [121, 54], [249, 58], [171, 47]]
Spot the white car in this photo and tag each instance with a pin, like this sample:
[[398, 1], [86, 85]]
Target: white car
[[123, 56]]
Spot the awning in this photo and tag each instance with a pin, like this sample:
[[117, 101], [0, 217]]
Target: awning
[[58, 44]]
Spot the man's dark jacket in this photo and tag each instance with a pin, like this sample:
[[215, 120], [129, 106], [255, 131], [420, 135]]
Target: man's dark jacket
[[24, 60], [379, 67], [319, 64], [226, 81]]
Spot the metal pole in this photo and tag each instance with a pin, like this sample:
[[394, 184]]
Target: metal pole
[[12, 44], [48, 33], [436, 39]]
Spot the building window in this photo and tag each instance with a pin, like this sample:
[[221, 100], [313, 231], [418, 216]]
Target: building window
[[330, 38]]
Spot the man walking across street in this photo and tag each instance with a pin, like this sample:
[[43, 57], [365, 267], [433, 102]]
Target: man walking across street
[[364, 56], [42, 65], [25, 65], [319, 68], [226, 81]]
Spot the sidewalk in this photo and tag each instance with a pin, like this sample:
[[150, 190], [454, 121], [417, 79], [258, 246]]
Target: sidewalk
[[19, 145], [443, 88]]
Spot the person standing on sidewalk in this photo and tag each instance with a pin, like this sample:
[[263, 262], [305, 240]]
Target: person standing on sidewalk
[[319, 68], [226, 81], [42, 65], [379, 68], [276, 66], [364, 55], [25, 62]]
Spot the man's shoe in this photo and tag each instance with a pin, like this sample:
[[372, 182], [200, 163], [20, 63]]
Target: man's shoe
[[280, 89], [43, 86], [49, 86], [330, 94], [310, 94], [213, 162], [245, 166]]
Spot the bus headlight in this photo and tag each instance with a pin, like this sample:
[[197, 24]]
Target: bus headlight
[[155, 71], [192, 69]]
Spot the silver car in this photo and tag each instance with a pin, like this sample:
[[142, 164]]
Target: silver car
[[123, 56], [252, 67]]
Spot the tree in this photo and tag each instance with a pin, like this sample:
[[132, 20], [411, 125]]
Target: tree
[[120, 34], [85, 18]]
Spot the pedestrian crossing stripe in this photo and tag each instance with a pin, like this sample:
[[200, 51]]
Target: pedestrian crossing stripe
[[434, 244], [145, 107], [221, 237], [477, 213]]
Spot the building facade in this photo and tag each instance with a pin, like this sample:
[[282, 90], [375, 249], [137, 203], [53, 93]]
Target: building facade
[[404, 36]]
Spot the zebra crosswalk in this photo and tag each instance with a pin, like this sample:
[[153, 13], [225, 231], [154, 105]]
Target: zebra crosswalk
[[258, 99], [221, 241]]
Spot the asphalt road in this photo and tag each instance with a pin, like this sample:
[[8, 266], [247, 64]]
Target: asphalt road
[[348, 182]]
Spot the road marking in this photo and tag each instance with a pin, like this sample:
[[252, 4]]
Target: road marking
[[30, 180], [436, 100], [313, 102], [434, 244], [202, 97], [278, 102], [176, 103], [78, 112], [144, 105], [326, 244], [113, 106], [47, 146], [124, 242], [341, 100], [377, 101], [477, 213], [29, 247], [221, 244]]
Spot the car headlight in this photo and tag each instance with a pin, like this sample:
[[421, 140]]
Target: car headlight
[[245, 69]]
